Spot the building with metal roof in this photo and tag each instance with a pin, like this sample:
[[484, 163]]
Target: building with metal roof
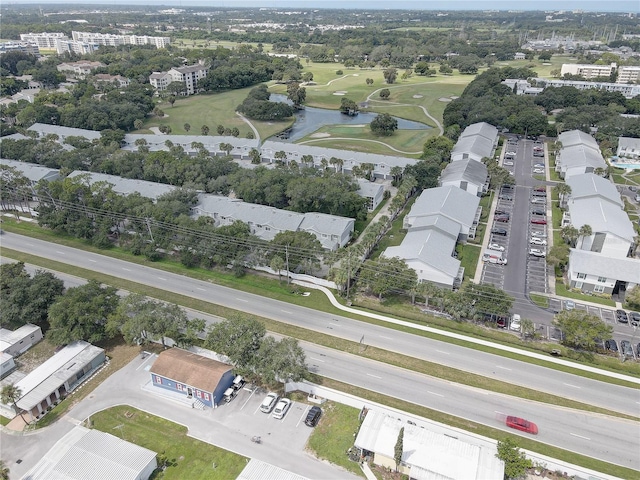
[[7, 364], [593, 272], [572, 138], [202, 379], [34, 173], [91, 454], [266, 222], [18, 341], [477, 141], [578, 159], [58, 376], [259, 470], [628, 148], [426, 455], [372, 192], [468, 175], [125, 186], [190, 143], [43, 129], [589, 185], [382, 164]]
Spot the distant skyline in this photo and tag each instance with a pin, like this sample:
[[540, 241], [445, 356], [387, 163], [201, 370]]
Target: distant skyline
[[629, 6]]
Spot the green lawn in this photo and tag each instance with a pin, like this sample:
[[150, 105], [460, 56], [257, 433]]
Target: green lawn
[[563, 291], [468, 255], [335, 434], [187, 457], [539, 300], [395, 236]]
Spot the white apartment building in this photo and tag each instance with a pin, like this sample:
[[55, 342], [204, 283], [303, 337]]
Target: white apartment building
[[25, 47], [43, 40], [188, 75], [79, 69], [73, 46], [628, 74], [112, 40], [587, 70]]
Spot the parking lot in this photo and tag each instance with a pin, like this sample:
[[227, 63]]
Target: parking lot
[[538, 271], [493, 273]]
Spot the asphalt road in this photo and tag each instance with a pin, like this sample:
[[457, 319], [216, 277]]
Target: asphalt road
[[584, 433], [627, 400]]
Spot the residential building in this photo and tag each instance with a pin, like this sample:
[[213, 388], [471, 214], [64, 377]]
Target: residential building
[[628, 148], [598, 273], [468, 175], [587, 71], [57, 377], [519, 56], [241, 147], [372, 192], [579, 154], [33, 172], [74, 46], [80, 69], [341, 160], [112, 40], [427, 454], [573, 138], [7, 364], [188, 75], [45, 40], [266, 222], [17, 342], [589, 185], [628, 90], [44, 129], [25, 47], [88, 453], [477, 141], [117, 80], [198, 378], [125, 186], [628, 74]]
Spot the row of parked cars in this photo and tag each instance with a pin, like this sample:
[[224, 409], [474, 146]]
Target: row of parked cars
[[538, 220], [626, 348], [278, 407]]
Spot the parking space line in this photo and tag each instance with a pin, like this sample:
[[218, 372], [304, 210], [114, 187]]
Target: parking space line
[[250, 396], [304, 415]]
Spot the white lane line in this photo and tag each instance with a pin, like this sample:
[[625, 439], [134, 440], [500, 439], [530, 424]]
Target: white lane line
[[445, 353], [374, 376], [286, 311], [201, 289], [573, 386], [579, 436], [316, 359], [93, 261], [382, 336], [503, 368], [436, 394], [29, 244], [61, 253], [126, 269], [163, 279], [242, 300], [336, 324]]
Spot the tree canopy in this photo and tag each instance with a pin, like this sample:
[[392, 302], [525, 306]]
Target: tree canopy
[[383, 125], [581, 330]]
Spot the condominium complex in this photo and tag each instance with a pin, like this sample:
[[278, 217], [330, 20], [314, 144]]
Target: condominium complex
[[43, 40], [628, 74], [587, 70], [26, 47], [188, 75], [112, 40]]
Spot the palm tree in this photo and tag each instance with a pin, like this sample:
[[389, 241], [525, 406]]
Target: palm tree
[[570, 234], [307, 160], [10, 394], [4, 471], [281, 157], [562, 189]]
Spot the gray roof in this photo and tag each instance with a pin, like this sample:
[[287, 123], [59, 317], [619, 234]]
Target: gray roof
[[83, 453], [382, 163], [63, 132], [437, 221], [429, 246], [580, 156], [594, 263], [592, 185], [629, 143], [211, 143], [467, 170], [15, 136], [601, 216], [577, 137], [126, 186], [12, 337], [369, 189], [475, 145], [482, 129], [259, 470], [449, 201], [33, 172]]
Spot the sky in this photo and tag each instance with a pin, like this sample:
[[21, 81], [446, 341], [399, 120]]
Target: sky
[[588, 5]]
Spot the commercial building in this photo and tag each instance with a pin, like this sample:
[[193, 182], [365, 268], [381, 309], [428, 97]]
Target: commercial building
[[188, 75], [198, 378], [20, 340], [426, 454], [58, 376], [82, 454]]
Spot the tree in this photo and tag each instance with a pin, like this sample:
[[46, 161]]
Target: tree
[[281, 361], [82, 313], [369, 81], [445, 69], [580, 329], [486, 298], [220, 129], [385, 93], [4, 471], [558, 255], [204, 130], [562, 189], [570, 234], [545, 56], [10, 394], [296, 94], [399, 448], [187, 127], [239, 338], [390, 75], [277, 264], [515, 462], [348, 106], [383, 125], [255, 156], [301, 249], [387, 275], [226, 148], [421, 68], [632, 298]]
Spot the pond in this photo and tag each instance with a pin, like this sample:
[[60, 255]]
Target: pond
[[311, 119]]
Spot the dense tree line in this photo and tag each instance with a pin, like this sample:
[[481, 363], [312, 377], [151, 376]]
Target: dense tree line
[[258, 106]]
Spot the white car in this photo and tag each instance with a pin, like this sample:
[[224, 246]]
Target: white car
[[538, 233], [513, 154], [539, 200], [269, 402], [282, 408], [537, 252], [538, 165], [538, 170], [537, 241], [495, 246], [515, 323], [507, 164]]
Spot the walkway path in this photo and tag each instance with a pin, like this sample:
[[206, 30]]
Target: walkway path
[[255, 130], [358, 140]]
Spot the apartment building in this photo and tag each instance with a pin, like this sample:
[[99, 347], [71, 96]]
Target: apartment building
[[188, 75], [44, 40]]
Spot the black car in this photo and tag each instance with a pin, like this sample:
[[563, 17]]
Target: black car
[[537, 193], [501, 212], [621, 316], [313, 416], [611, 345], [499, 231], [538, 212], [634, 318], [504, 196]]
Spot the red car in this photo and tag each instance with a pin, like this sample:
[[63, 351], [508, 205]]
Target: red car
[[522, 424], [538, 221]]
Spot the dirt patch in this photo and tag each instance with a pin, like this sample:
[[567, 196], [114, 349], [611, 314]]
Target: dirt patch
[[320, 135], [444, 99], [35, 356], [418, 96], [340, 92]]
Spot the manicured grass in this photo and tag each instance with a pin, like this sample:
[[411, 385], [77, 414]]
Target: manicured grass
[[361, 225], [563, 291], [335, 434], [4, 421], [539, 300], [213, 44], [395, 236], [187, 457], [620, 176], [468, 255], [487, 431]]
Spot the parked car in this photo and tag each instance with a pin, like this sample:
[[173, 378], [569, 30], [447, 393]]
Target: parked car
[[538, 212], [537, 252], [515, 323], [569, 304], [495, 259], [611, 345], [538, 165], [538, 200], [540, 188], [539, 171], [499, 231], [495, 246], [538, 233], [538, 194], [508, 163], [539, 221], [501, 212], [269, 402], [504, 196], [501, 322], [621, 316], [313, 415], [281, 408], [512, 153], [634, 318], [627, 349], [501, 218], [522, 425], [537, 241]]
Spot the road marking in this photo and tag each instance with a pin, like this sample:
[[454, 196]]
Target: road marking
[[316, 359], [569, 385], [126, 269], [93, 261], [336, 324], [61, 253], [374, 376], [286, 311], [446, 353], [242, 300], [436, 394], [503, 368], [163, 279], [382, 336], [579, 436], [201, 289], [29, 244]]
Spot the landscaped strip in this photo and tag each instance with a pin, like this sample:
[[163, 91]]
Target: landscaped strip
[[486, 431]]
